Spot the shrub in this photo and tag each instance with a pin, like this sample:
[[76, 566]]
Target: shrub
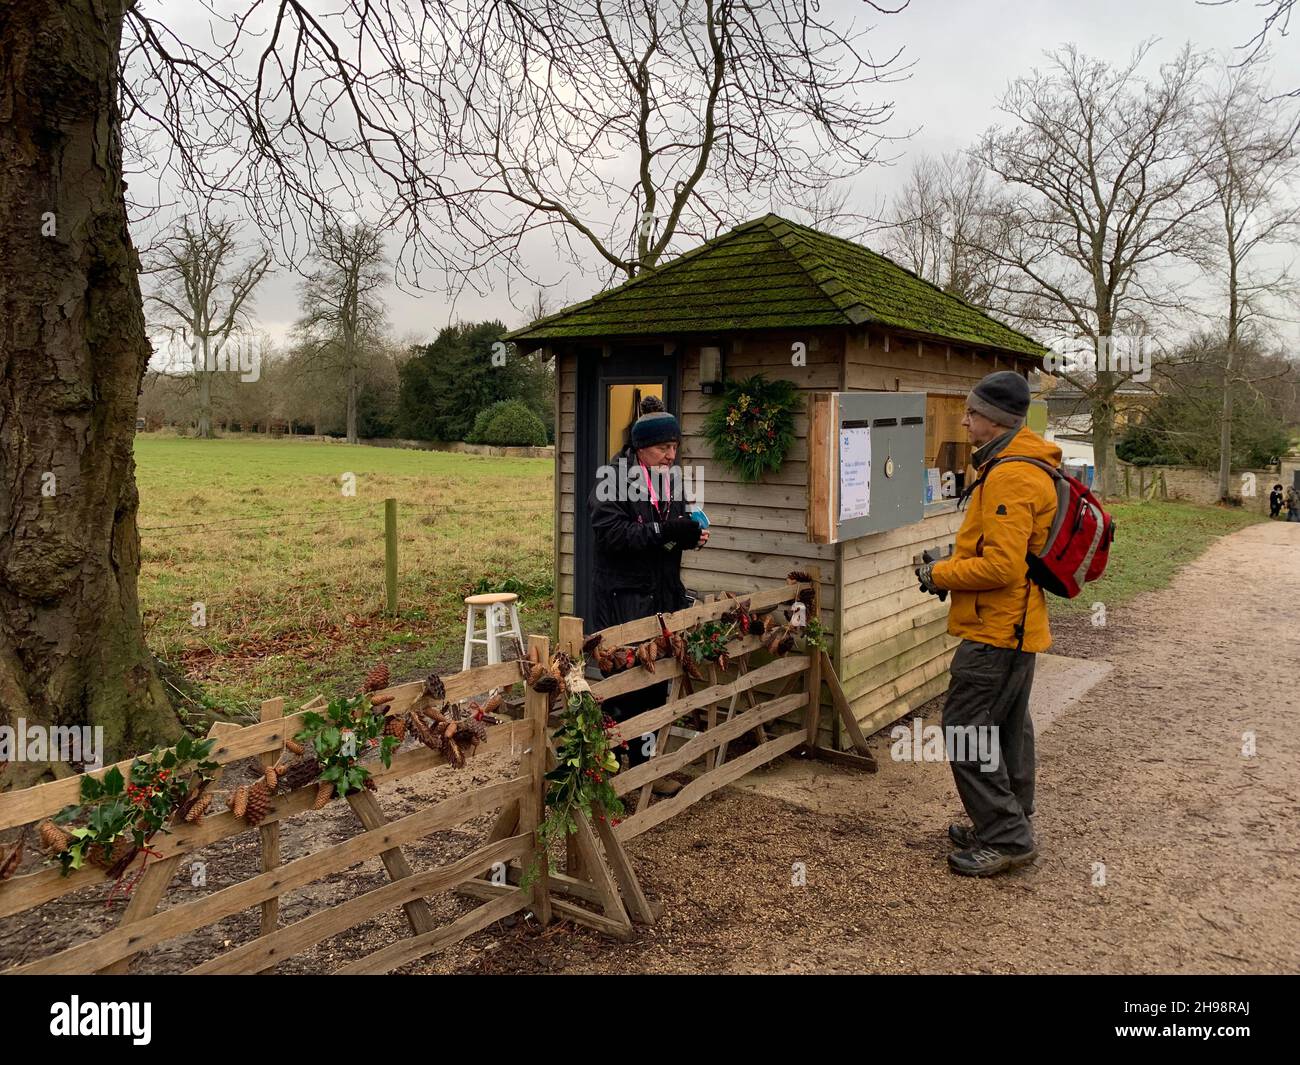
[[509, 424]]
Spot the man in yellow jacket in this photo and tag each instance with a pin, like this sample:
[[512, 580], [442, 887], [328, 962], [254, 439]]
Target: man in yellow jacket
[[1001, 617]]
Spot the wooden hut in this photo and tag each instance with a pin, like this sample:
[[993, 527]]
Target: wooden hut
[[864, 324]]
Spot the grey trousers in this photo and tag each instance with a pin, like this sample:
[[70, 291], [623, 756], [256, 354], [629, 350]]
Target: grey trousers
[[989, 689]]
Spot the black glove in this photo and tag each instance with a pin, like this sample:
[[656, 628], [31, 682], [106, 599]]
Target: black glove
[[683, 532]]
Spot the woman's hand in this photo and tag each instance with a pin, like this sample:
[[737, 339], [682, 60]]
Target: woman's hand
[[704, 539]]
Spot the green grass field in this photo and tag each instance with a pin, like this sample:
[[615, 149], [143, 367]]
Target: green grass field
[[1152, 540], [291, 571]]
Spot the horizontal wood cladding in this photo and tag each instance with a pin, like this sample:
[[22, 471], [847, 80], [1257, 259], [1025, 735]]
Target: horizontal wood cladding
[[907, 703], [878, 707]]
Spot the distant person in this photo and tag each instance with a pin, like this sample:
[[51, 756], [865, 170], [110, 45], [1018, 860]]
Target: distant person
[[1292, 504], [1001, 617], [1275, 501]]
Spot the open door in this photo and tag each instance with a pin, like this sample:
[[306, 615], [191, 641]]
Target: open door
[[609, 388]]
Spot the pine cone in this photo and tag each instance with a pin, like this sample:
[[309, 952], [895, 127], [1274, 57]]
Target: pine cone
[[426, 735], [476, 728], [300, 773], [494, 704], [122, 851], [239, 801], [434, 688], [377, 678], [324, 793], [271, 777], [395, 726], [294, 746], [370, 784], [259, 803], [53, 838], [10, 861], [646, 655], [196, 812]]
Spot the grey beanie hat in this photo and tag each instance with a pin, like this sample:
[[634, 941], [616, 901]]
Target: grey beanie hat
[[1002, 397]]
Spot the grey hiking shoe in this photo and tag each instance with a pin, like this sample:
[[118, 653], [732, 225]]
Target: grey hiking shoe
[[985, 861], [963, 835]]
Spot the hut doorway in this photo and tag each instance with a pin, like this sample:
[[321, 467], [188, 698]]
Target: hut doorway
[[609, 389]]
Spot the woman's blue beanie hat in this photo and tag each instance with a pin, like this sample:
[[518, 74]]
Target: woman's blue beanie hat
[[655, 426]]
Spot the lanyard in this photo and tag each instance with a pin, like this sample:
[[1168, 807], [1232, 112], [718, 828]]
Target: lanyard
[[662, 511]]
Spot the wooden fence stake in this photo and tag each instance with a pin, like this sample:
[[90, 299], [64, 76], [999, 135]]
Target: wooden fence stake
[[814, 709], [272, 710], [390, 553], [532, 810]]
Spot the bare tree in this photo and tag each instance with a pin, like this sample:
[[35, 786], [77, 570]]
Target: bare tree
[[620, 125], [1103, 173], [1277, 20], [1252, 173], [341, 306], [474, 126], [203, 293], [942, 221]]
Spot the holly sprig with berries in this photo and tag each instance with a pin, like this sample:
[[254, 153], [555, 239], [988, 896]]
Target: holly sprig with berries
[[707, 641], [132, 809], [586, 743], [347, 729], [752, 427]]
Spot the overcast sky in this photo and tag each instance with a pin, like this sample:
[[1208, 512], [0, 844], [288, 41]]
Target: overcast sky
[[963, 53]]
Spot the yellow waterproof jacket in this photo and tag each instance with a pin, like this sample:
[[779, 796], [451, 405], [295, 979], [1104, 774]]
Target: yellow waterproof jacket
[[1009, 514]]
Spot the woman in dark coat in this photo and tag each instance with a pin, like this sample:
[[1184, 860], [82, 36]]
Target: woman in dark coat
[[641, 529]]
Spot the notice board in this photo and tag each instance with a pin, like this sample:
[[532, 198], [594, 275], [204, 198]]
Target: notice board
[[866, 463]]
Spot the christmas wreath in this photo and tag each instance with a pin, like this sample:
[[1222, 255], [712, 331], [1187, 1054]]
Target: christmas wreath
[[752, 427]]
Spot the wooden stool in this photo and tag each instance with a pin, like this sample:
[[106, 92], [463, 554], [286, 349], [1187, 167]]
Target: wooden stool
[[493, 605]]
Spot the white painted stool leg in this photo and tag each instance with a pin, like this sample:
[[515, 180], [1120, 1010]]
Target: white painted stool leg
[[514, 624], [469, 636], [494, 651]]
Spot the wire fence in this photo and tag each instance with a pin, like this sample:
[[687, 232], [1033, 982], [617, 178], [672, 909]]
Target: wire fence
[[252, 525]]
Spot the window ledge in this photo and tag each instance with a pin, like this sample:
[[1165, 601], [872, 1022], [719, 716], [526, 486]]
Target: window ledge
[[946, 506]]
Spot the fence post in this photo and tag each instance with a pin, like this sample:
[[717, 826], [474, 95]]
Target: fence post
[[532, 808], [813, 711], [390, 553], [570, 642]]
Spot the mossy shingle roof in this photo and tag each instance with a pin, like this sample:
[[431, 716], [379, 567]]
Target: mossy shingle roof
[[772, 273]]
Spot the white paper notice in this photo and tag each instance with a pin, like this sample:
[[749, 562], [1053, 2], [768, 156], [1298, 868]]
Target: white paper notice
[[855, 473]]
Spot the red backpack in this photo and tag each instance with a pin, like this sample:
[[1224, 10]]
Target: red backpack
[[1078, 543]]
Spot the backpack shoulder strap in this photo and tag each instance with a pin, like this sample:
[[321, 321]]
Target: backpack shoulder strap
[[1046, 467]]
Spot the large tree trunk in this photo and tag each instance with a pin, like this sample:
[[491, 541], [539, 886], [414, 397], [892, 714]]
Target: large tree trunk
[[1106, 481], [205, 399], [73, 354], [352, 402]]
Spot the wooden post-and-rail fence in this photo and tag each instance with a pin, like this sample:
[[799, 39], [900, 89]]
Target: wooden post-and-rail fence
[[598, 887]]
